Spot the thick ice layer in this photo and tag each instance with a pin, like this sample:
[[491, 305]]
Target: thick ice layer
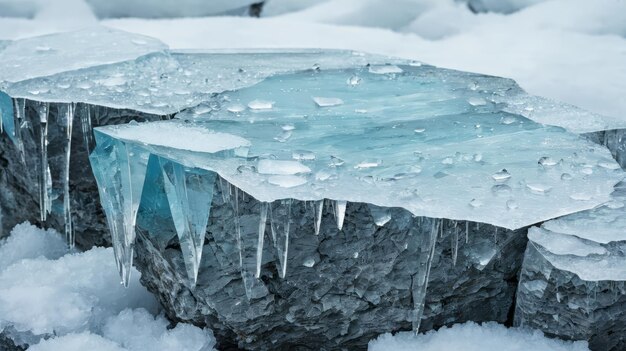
[[111, 68], [51, 54], [165, 83], [589, 244], [419, 138]]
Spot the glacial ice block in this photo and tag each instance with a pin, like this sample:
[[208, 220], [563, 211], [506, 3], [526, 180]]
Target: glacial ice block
[[51, 54], [573, 278], [414, 137]]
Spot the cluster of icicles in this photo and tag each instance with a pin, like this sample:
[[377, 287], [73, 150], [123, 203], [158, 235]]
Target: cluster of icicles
[[37, 130]]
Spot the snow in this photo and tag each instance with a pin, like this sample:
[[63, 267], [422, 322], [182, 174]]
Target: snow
[[474, 337], [75, 300]]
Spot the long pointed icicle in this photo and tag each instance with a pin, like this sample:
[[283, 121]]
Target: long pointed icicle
[[44, 182], [340, 212], [120, 171], [87, 128], [67, 120], [190, 196], [280, 225], [319, 211], [259, 248], [455, 245], [426, 250]]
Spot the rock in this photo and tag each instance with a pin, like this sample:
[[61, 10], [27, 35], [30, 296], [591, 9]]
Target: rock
[[19, 194], [342, 288], [573, 280]]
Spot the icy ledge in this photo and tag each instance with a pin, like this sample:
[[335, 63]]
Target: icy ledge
[[573, 278], [406, 136]]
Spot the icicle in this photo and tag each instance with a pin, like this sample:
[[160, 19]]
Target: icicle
[[87, 128], [259, 249], [190, 195], [467, 232], [68, 120], [19, 105], [495, 235], [455, 245], [44, 198], [280, 225], [120, 171], [224, 190], [419, 286], [477, 226], [319, 211], [340, 212]]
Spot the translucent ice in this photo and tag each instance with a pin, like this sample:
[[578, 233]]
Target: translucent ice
[[382, 161]]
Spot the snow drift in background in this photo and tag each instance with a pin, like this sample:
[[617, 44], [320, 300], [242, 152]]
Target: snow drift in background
[[473, 337], [76, 299]]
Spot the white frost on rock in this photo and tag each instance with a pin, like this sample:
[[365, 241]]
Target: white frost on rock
[[474, 337]]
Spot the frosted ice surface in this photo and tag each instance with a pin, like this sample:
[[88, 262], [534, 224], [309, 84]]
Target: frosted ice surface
[[590, 244], [467, 162], [51, 54]]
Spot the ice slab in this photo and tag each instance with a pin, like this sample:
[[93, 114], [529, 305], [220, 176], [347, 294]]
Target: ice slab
[[410, 136], [106, 67], [51, 54], [590, 244]]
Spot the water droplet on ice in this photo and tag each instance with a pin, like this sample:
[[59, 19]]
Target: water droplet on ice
[[511, 204], [64, 85], [501, 190], [43, 48], [419, 130], [261, 105], [586, 170], [475, 203], [235, 108], [447, 161], [566, 176], [477, 101], [354, 80], [303, 155], [385, 69], [327, 101], [508, 120], [336, 161], [501, 175], [547, 161], [112, 81], [368, 164], [478, 157], [539, 188], [609, 165], [288, 127], [84, 85]]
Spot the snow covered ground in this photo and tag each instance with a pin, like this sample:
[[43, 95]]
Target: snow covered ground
[[75, 300]]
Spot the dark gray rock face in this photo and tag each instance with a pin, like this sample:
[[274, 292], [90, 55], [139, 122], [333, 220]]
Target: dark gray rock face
[[342, 288], [561, 304], [19, 182]]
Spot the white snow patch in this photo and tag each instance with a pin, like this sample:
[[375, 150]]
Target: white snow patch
[[76, 298], [474, 337]]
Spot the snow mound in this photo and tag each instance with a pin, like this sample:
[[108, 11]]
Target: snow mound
[[474, 337]]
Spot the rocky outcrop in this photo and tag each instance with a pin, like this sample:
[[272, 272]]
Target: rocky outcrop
[[342, 287]]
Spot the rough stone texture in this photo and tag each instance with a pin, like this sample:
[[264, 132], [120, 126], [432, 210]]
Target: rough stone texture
[[614, 140], [19, 199], [562, 305], [359, 287]]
